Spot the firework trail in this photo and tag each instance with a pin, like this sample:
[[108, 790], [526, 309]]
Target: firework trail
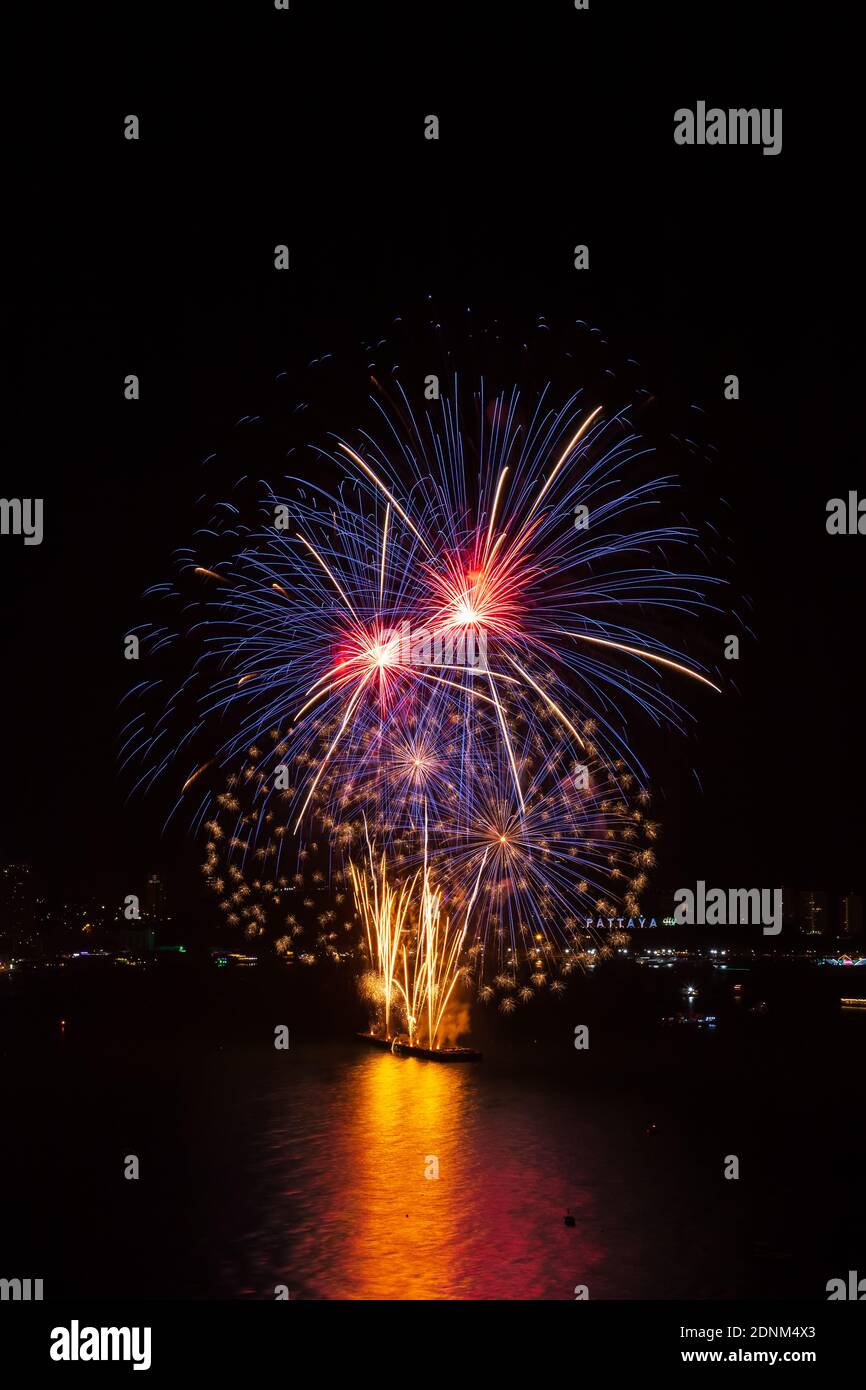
[[450, 635], [414, 951]]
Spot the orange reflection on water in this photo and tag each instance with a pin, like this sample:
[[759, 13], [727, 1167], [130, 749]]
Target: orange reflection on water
[[408, 1118], [353, 1214]]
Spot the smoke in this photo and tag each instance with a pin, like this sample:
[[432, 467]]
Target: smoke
[[456, 1022]]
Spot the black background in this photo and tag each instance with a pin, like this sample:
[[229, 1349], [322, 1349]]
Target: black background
[[260, 127]]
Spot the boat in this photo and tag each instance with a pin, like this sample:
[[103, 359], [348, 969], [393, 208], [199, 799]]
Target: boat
[[400, 1046]]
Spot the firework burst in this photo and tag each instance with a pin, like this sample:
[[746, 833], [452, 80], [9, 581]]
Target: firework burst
[[438, 648]]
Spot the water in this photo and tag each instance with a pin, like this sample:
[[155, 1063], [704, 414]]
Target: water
[[347, 1158], [314, 1168]]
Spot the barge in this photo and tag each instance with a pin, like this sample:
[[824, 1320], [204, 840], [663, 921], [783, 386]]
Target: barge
[[400, 1046]]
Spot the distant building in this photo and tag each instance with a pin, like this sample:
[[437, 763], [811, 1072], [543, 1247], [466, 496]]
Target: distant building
[[15, 893], [140, 935], [16, 903], [851, 915], [154, 898], [138, 938], [813, 912]]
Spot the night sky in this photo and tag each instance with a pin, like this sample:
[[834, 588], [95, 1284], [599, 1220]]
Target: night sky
[[156, 258]]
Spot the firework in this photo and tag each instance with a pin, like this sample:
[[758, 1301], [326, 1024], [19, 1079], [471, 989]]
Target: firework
[[414, 951], [438, 649], [331, 617]]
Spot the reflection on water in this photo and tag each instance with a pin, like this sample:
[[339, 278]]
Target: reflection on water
[[408, 1123], [353, 1214], [307, 1168]]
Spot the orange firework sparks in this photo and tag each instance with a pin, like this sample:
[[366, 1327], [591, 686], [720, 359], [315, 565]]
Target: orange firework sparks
[[415, 949]]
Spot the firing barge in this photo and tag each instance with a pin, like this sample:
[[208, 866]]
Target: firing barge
[[400, 1046]]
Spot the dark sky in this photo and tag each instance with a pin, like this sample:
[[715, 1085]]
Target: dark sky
[[156, 257]]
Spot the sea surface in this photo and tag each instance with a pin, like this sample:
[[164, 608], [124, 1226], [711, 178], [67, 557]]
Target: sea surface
[[340, 1172]]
